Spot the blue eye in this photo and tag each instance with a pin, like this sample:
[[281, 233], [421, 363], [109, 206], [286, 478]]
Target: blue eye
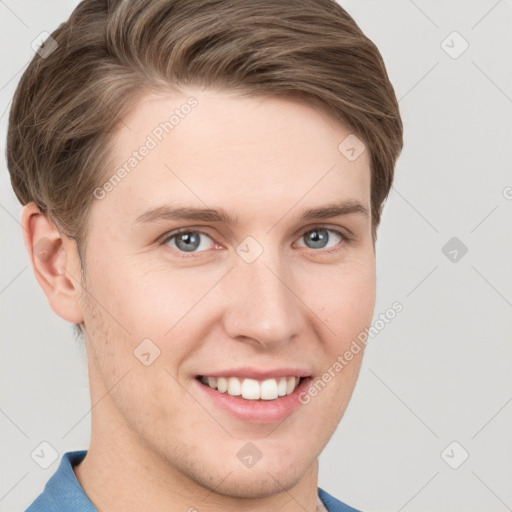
[[319, 237], [193, 241], [187, 240]]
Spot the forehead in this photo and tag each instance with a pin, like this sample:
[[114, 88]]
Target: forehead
[[214, 148]]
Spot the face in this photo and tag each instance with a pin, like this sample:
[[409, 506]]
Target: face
[[251, 293]]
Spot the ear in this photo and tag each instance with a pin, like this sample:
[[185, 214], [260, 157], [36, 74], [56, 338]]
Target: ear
[[54, 258]]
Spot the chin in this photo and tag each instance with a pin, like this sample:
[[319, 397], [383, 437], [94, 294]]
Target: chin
[[258, 483], [270, 475]]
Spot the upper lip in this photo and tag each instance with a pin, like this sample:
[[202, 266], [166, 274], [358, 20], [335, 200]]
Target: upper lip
[[259, 373]]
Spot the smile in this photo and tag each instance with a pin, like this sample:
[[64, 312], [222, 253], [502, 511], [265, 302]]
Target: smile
[[252, 389]]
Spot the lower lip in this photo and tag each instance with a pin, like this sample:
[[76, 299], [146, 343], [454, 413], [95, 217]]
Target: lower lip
[[256, 411]]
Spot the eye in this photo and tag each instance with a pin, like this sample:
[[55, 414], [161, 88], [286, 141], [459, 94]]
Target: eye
[[192, 241], [318, 238], [187, 240]]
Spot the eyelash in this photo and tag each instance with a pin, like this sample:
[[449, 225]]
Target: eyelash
[[344, 241]]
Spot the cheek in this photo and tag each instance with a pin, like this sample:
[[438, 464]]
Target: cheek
[[154, 309], [165, 301], [146, 299], [345, 302]]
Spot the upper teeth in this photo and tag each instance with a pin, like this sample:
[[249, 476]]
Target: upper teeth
[[252, 389]]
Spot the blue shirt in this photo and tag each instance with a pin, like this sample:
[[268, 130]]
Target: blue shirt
[[63, 492]]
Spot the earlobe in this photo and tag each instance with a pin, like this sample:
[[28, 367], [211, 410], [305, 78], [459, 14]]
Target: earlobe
[[55, 262]]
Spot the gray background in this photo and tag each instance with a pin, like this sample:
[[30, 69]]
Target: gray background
[[438, 373]]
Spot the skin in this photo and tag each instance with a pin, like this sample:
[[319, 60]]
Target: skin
[[155, 443]]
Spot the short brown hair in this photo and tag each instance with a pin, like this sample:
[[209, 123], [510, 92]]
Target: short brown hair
[[68, 103]]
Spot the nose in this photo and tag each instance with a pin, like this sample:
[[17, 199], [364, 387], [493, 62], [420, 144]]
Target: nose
[[262, 304]]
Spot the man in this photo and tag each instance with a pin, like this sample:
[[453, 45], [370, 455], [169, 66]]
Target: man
[[202, 184]]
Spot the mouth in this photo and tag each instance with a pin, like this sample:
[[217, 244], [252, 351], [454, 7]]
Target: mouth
[[256, 401], [253, 389]]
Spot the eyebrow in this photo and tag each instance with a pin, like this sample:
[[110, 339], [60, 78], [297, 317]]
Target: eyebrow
[[220, 215]]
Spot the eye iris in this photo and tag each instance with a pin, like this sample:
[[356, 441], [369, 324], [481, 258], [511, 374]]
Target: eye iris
[[191, 241], [318, 236]]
